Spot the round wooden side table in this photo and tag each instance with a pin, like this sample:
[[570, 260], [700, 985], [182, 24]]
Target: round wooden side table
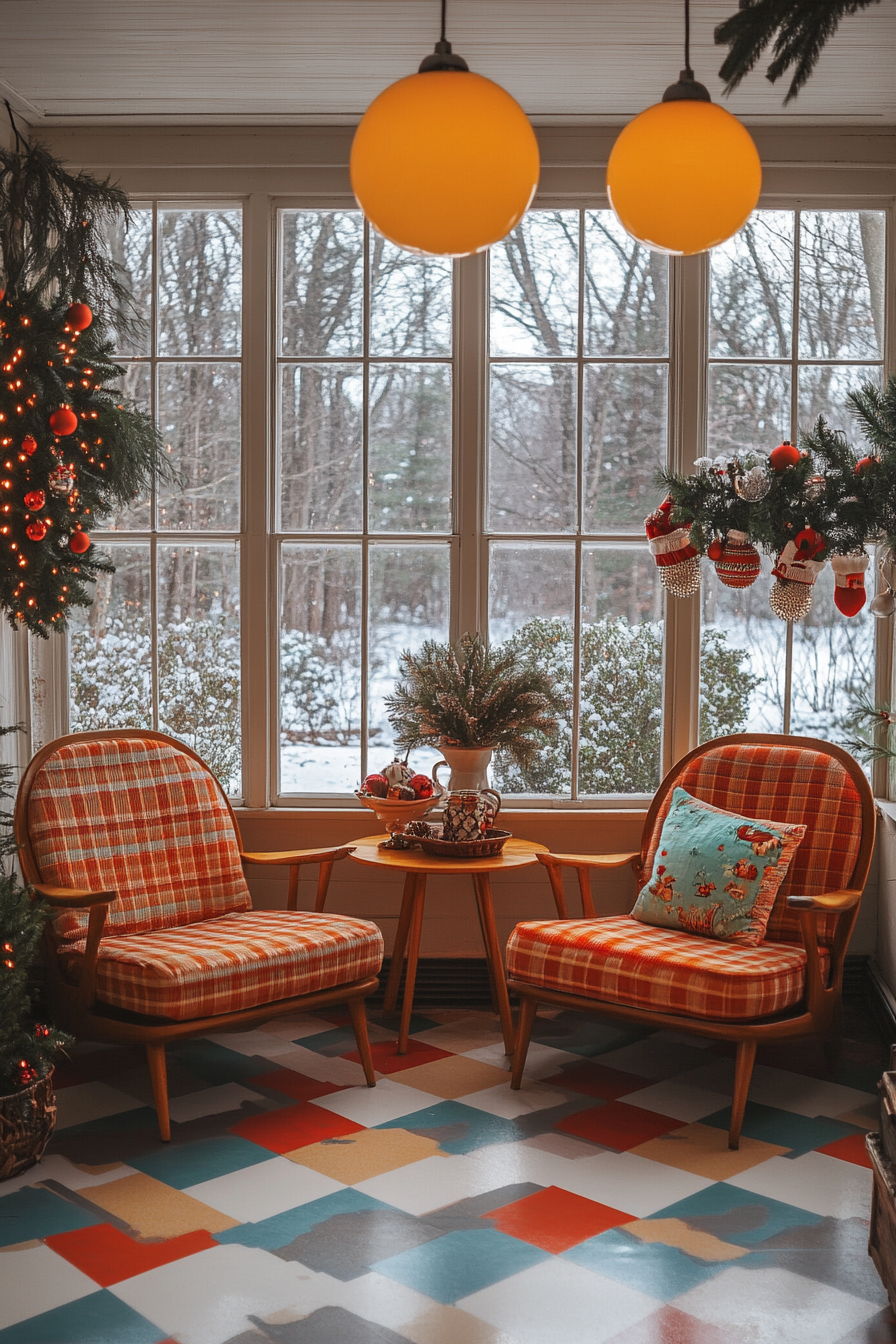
[[417, 867]]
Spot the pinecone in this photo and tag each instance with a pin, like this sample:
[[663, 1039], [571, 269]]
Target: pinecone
[[418, 830]]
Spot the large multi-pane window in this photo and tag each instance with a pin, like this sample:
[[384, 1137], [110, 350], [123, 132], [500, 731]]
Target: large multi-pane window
[[465, 445], [364, 510], [160, 646], [796, 323]]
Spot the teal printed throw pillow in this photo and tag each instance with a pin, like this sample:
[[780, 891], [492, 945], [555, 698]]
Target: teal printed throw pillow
[[716, 874]]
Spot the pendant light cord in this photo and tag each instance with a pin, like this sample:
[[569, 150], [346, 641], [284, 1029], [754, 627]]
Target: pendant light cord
[[687, 36], [444, 5]]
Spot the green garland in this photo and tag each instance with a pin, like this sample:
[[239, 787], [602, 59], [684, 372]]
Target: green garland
[[847, 497]]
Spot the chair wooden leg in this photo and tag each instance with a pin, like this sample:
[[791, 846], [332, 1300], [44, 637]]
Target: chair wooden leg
[[155, 1056], [528, 1008], [359, 1023], [323, 881], [743, 1072]]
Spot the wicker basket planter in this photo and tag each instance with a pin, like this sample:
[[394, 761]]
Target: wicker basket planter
[[27, 1119]]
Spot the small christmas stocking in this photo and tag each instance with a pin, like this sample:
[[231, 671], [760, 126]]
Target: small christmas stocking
[[796, 571], [676, 559], [849, 581]]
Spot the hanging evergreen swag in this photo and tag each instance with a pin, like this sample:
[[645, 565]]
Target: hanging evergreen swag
[[72, 447], [805, 506]]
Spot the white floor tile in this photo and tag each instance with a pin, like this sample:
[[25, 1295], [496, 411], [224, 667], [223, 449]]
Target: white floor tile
[[294, 1028], [91, 1101], [324, 1068], [678, 1100], [430, 1184], [821, 1184], [773, 1306], [213, 1101], [58, 1168], [557, 1302], [37, 1280], [651, 1058], [377, 1105], [264, 1043], [541, 1060], [805, 1096], [207, 1298], [259, 1192], [629, 1183], [500, 1100]]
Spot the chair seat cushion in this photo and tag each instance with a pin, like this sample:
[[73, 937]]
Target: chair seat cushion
[[222, 965], [620, 960]]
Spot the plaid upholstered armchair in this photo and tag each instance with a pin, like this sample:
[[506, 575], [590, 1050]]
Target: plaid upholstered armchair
[[132, 841], [788, 984]]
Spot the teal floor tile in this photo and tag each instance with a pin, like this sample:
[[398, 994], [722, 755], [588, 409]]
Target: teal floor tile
[[30, 1214], [215, 1063], [144, 1117], [189, 1163], [458, 1128], [736, 1215], [336, 1042], [99, 1318], [800, 1133], [660, 1271], [460, 1263], [272, 1233]]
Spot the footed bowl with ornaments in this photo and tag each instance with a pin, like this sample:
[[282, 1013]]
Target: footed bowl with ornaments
[[397, 796]]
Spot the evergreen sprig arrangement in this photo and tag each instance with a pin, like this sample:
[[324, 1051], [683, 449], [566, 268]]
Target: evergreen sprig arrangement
[[799, 30], [875, 726], [28, 1048], [471, 695], [60, 293], [848, 498]]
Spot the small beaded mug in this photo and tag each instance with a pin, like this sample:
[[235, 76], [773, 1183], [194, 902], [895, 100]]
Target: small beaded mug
[[469, 813]]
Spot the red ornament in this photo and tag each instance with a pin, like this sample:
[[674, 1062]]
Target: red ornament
[[35, 500], [715, 548], [79, 542], [849, 582], [739, 563], [27, 1074], [29, 444], [422, 786], [36, 531], [377, 785], [64, 421], [78, 317], [865, 464], [785, 455], [41, 1032]]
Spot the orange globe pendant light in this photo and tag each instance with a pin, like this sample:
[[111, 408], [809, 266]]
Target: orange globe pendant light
[[444, 162], [685, 174]]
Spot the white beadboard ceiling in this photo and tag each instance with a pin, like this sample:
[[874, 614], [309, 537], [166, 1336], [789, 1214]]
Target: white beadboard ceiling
[[281, 62]]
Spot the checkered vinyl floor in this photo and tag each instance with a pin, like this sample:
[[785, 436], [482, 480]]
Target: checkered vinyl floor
[[599, 1203]]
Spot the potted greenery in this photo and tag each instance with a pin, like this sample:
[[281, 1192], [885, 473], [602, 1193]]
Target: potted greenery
[[27, 1047], [468, 699]]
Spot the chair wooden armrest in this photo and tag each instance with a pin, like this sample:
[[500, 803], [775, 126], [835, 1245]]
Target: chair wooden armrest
[[293, 859], [829, 902], [70, 898], [583, 863]]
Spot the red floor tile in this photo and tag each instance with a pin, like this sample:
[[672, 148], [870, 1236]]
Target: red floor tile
[[554, 1219], [294, 1084], [597, 1080], [671, 1326], [294, 1127], [385, 1060], [617, 1125], [108, 1255], [850, 1149]]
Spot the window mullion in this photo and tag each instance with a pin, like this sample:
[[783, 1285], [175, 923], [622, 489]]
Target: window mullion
[[469, 609]]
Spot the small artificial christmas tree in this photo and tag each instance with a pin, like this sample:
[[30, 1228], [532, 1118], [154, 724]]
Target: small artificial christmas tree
[[27, 1047]]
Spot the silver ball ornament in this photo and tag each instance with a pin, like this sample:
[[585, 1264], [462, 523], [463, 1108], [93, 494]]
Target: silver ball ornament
[[753, 485], [883, 605]]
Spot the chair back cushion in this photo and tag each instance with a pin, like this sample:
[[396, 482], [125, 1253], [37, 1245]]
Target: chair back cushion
[[138, 817], [716, 873], [787, 784]]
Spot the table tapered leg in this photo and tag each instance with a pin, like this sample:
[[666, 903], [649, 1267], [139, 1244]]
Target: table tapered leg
[[401, 939], [488, 961], [493, 953], [407, 1002]]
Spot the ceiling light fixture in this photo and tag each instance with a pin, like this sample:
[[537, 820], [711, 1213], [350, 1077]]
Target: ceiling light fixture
[[685, 174], [444, 162]]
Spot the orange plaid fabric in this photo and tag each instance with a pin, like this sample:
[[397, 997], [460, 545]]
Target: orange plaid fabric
[[140, 818], [621, 960], [789, 784], [222, 965]]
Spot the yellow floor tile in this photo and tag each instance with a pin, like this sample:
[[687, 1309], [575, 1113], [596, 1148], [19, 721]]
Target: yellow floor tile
[[369, 1152], [704, 1150], [454, 1077], [156, 1210], [450, 1325], [462, 1033], [866, 1117], [675, 1232]]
